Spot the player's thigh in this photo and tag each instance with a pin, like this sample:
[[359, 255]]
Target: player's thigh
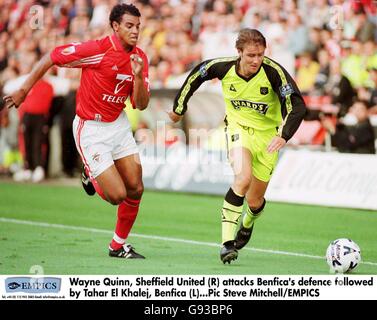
[[94, 144], [126, 158], [240, 160], [239, 152], [130, 170]]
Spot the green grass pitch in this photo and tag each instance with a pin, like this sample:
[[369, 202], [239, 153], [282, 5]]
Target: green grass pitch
[[67, 232]]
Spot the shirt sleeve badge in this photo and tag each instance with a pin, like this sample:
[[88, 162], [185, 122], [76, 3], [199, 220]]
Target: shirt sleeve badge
[[69, 50], [286, 90], [203, 70]]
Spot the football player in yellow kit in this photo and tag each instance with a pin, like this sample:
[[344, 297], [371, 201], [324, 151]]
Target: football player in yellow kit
[[264, 108]]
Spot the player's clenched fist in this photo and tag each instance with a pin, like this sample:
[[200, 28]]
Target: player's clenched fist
[[136, 64]]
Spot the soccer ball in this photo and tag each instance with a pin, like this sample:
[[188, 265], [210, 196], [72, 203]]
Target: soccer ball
[[343, 255]]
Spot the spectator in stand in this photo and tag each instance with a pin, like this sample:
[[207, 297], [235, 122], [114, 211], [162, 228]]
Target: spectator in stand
[[10, 156], [354, 65], [34, 127], [317, 13], [357, 138], [297, 35], [3, 58], [274, 29], [339, 88], [315, 43], [324, 71], [307, 72], [67, 115], [365, 29], [254, 20], [370, 54], [101, 11], [373, 92]]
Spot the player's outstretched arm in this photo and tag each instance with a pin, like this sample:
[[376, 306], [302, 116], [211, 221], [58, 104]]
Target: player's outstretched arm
[[16, 98], [204, 71]]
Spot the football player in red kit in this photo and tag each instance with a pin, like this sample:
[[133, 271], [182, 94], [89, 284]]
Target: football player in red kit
[[113, 70]]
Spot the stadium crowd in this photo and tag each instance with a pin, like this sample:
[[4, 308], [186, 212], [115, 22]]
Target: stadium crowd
[[330, 47]]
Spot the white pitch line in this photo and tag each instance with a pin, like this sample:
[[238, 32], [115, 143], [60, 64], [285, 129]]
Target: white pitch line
[[200, 243]]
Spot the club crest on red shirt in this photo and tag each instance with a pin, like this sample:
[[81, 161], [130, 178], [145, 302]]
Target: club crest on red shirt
[[69, 50]]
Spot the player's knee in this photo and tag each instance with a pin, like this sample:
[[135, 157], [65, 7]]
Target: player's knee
[[117, 197], [242, 182], [256, 203], [136, 192]]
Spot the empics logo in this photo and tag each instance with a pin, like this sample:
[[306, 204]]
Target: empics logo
[[32, 285], [13, 285], [257, 106]]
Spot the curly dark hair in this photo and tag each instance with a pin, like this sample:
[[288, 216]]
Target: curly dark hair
[[119, 10]]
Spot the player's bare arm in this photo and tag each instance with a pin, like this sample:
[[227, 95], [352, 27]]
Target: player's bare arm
[[141, 95], [17, 97]]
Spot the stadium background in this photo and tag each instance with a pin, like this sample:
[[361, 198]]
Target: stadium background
[[54, 225]]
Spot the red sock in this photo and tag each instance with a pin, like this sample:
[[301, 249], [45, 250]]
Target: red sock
[[127, 212]]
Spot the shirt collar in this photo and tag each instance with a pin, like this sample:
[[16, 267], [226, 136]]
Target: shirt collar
[[118, 45]]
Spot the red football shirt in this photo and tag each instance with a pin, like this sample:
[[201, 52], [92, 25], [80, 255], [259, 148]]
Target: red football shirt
[[107, 78]]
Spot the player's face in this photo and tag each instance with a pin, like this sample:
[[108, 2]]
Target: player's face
[[251, 58], [128, 29]]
